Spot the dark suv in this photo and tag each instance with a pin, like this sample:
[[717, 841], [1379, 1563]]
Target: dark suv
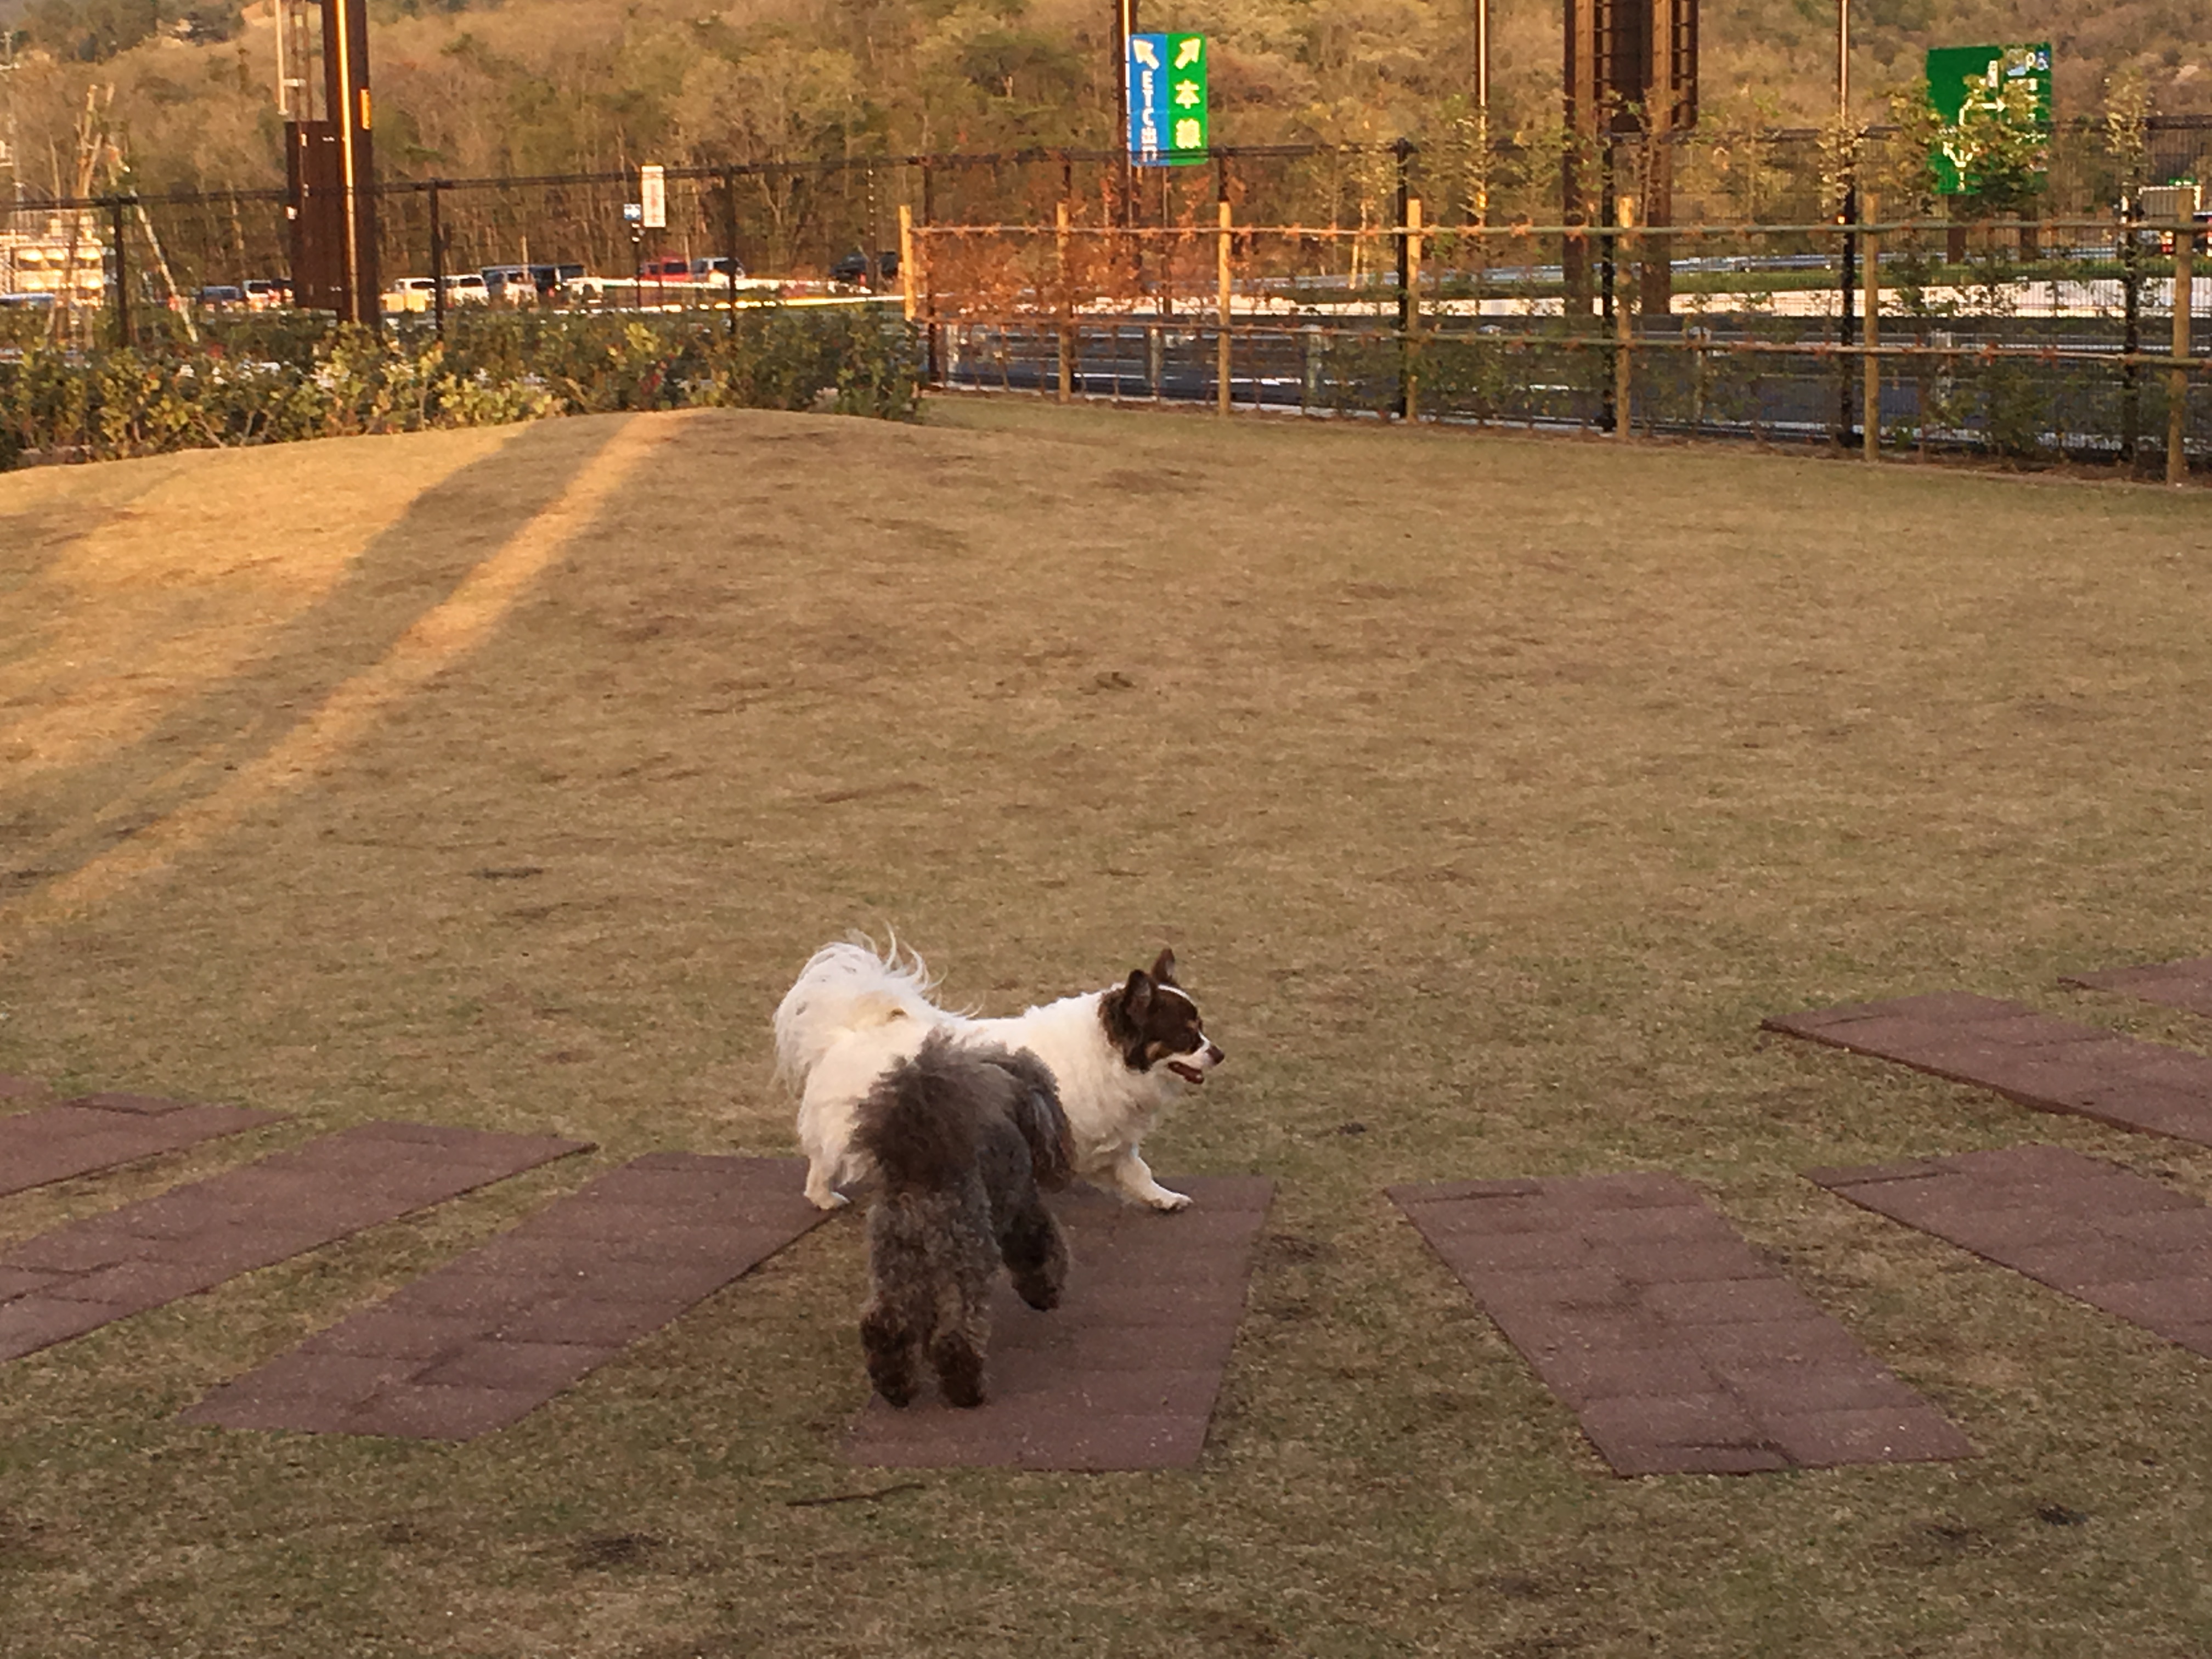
[[853, 269]]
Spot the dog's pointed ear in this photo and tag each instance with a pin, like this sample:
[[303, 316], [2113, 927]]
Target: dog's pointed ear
[[1163, 968], [1137, 996]]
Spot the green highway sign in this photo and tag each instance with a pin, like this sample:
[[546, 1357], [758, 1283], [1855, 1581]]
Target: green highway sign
[[1977, 92], [1168, 120]]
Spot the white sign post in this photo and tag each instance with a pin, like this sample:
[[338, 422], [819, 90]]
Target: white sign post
[[653, 195]]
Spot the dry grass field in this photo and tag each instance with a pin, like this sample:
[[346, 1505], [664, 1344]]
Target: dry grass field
[[1490, 790]]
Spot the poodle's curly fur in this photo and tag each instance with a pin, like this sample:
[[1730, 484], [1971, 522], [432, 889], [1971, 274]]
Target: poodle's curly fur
[[963, 1138]]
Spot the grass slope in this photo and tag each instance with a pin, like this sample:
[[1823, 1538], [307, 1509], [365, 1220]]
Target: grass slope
[[1491, 790]]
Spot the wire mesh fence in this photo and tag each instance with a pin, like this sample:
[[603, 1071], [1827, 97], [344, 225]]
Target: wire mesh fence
[[1450, 280]]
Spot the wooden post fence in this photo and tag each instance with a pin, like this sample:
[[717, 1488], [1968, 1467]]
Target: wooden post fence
[[1870, 250], [2185, 297], [1221, 346], [1623, 330], [906, 261], [1066, 311], [1409, 315]]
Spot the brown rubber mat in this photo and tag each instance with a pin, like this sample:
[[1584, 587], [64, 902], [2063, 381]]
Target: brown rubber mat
[[484, 1340], [2053, 1065], [77, 1278], [1123, 1374], [98, 1131], [2186, 985], [2104, 1235], [1681, 1352]]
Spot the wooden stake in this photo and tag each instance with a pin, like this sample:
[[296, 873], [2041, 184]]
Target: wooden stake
[[906, 264], [2184, 297], [1623, 329], [1870, 251], [1221, 350], [1410, 318], [1067, 301]]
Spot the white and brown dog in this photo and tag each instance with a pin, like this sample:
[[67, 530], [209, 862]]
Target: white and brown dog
[[1120, 1056]]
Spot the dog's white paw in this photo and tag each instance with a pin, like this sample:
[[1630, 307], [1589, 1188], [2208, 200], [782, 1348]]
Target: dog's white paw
[[1165, 1202], [827, 1200]]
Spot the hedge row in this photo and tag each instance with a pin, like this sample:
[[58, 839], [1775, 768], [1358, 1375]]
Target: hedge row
[[275, 378]]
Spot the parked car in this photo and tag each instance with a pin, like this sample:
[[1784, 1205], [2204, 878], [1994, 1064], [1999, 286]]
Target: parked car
[[522, 285], [220, 297], [853, 269], [409, 294], [468, 288], [267, 293]]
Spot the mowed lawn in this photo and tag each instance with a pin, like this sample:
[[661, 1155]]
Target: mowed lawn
[[1490, 790]]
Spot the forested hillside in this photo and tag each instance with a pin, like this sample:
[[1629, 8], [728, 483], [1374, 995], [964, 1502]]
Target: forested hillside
[[475, 87]]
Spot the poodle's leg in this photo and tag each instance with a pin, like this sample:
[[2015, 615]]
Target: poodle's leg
[[1035, 1254], [963, 1308], [1133, 1178], [889, 1342]]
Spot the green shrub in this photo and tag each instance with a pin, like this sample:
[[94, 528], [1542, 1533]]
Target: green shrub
[[271, 380]]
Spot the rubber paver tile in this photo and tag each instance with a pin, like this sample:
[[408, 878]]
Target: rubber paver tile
[[1830, 1439], [1037, 1432], [1794, 1387], [1730, 1302], [507, 1325], [1631, 1190], [1580, 1376], [2160, 1305], [1097, 1444], [1854, 1174], [138, 1285], [1636, 1458], [1450, 1192], [1540, 1331], [2161, 1290], [1675, 1343], [1773, 1342], [1636, 1229], [2167, 1231], [1127, 1303], [2027, 1056], [75, 1249], [1081, 1349], [1538, 1289], [1716, 1418], [29, 1323], [22, 1281], [1026, 1373], [2089, 1260], [391, 1332], [428, 1411], [546, 1367], [1691, 1260], [1488, 1216], [258, 1216], [1123, 1338], [2186, 985], [322, 1382], [101, 1131], [1544, 1247], [585, 1319]]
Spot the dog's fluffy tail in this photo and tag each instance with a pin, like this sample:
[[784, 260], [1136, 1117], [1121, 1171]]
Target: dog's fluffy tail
[[919, 1125], [1036, 1111], [846, 986]]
